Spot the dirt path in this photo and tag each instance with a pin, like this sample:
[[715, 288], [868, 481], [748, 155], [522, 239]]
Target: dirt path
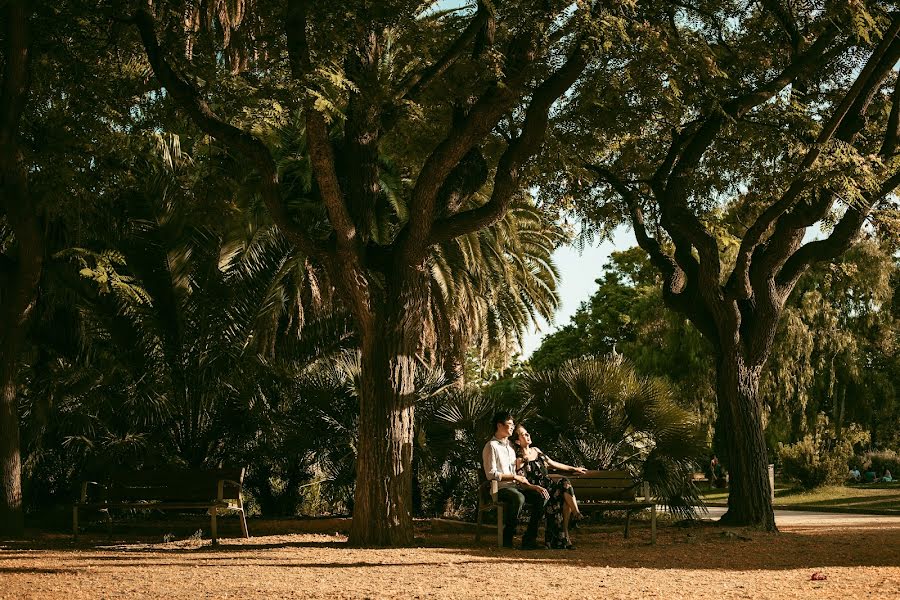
[[697, 562], [791, 518]]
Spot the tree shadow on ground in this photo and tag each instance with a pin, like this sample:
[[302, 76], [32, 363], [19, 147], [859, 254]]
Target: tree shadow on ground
[[703, 547]]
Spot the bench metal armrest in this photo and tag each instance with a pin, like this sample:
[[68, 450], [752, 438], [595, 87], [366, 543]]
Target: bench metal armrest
[[220, 488], [495, 487]]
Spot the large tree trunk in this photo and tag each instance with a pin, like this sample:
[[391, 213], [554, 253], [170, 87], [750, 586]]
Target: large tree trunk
[[11, 515], [20, 284], [17, 305], [382, 507], [740, 413], [15, 310]]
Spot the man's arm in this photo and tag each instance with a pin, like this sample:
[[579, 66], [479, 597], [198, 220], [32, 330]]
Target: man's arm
[[491, 462]]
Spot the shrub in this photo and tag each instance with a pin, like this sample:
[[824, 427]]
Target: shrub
[[884, 459], [818, 459]]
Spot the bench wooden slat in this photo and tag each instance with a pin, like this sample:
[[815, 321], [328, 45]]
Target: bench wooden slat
[[612, 484], [611, 495], [614, 505], [153, 505], [204, 491], [604, 475], [174, 478]]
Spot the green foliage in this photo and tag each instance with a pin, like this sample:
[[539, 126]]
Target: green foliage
[[819, 458], [598, 412], [627, 314], [452, 430], [879, 461], [836, 348]]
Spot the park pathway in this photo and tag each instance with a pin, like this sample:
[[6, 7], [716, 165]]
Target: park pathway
[[800, 518]]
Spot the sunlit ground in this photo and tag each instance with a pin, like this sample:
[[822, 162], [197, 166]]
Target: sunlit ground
[[871, 497], [688, 562]]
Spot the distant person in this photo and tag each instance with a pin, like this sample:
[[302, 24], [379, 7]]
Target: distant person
[[499, 462], [562, 506], [854, 475], [717, 477], [870, 477], [888, 478]]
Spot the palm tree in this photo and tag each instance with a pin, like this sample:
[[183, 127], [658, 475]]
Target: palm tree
[[488, 289], [485, 289], [600, 413], [180, 343]]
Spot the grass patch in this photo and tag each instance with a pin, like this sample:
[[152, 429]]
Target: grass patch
[[863, 498]]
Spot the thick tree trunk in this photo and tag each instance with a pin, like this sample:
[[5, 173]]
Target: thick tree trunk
[[14, 317], [382, 508], [17, 299], [740, 413], [11, 515]]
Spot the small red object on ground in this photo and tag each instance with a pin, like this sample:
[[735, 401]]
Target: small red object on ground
[[817, 576]]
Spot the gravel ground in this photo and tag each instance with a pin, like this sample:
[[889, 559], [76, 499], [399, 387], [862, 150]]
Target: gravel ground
[[693, 562]]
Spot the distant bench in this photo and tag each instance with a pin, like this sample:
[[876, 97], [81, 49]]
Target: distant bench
[[214, 490], [595, 490], [614, 490]]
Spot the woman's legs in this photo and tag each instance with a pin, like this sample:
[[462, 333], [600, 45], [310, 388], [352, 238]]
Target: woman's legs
[[572, 503]]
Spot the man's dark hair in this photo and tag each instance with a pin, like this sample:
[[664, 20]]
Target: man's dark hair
[[501, 417]]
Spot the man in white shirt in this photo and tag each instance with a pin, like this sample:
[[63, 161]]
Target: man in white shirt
[[499, 460]]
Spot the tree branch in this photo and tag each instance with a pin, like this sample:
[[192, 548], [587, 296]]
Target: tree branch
[[892, 133], [321, 154], [858, 98], [482, 118], [786, 19], [507, 177], [662, 261], [842, 236], [696, 145], [680, 289], [420, 80], [237, 140]]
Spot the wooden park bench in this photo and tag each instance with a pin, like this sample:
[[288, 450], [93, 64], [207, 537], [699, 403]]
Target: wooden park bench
[[595, 490], [214, 490], [614, 490]]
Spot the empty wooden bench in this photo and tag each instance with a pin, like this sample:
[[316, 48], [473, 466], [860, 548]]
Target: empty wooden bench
[[215, 490], [614, 490]]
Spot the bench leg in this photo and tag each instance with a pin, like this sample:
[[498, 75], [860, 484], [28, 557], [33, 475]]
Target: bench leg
[[212, 526], [244, 529], [108, 523], [75, 521], [653, 524], [627, 523], [499, 525]]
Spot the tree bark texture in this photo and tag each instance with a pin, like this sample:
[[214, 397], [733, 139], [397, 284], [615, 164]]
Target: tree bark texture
[[382, 506], [740, 414], [11, 510], [18, 298]]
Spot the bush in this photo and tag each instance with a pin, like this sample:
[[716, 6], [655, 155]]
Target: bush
[[818, 459], [879, 461]]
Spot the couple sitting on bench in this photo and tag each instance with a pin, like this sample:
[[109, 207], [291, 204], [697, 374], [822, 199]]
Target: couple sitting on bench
[[521, 473]]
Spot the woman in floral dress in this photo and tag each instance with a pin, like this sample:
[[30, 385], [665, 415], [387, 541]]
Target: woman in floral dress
[[562, 505]]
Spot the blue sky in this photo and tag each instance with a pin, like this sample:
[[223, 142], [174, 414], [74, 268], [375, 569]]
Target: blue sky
[[578, 273]]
